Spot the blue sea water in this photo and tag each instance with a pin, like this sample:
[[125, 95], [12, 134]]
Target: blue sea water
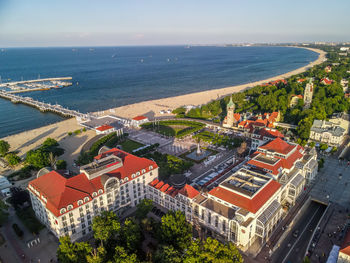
[[106, 77]]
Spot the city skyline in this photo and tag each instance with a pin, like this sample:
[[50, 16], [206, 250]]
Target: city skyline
[[86, 23]]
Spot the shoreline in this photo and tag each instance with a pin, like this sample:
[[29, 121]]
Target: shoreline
[[27, 140]]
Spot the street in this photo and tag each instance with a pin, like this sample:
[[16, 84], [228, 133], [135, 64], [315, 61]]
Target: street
[[293, 247]]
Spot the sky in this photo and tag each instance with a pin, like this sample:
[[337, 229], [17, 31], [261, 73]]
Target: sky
[[43, 23]]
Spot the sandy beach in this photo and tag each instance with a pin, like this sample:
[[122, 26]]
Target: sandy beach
[[28, 140]]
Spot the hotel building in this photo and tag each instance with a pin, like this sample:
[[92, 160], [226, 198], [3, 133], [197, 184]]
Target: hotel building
[[114, 181]]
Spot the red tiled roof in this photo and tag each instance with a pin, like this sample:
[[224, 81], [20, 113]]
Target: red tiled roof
[[104, 127], [61, 192], [345, 247], [237, 116], [254, 204], [301, 80], [278, 145], [139, 118], [263, 165], [188, 191], [164, 188], [271, 133], [326, 81]]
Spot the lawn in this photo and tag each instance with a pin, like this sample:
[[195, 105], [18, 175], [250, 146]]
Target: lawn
[[177, 128], [130, 145], [28, 218]]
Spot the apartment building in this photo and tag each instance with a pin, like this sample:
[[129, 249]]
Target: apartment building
[[114, 181]]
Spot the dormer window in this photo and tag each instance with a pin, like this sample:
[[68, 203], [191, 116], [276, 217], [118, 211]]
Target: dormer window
[[151, 167], [121, 181], [100, 191], [94, 194], [69, 207], [86, 199], [133, 176], [63, 210], [138, 173], [80, 202], [126, 179], [143, 171]]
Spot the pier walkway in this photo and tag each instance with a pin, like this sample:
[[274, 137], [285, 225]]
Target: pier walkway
[[42, 106]]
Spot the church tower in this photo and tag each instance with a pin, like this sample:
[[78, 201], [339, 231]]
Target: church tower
[[230, 113], [308, 94]]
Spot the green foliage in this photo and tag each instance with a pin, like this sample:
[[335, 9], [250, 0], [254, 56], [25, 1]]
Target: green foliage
[[177, 128], [213, 251], [61, 165], [3, 212], [218, 139], [167, 254], [49, 142], [175, 230], [179, 112], [105, 226], [4, 147], [334, 149], [169, 164], [38, 158], [306, 260], [84, 129], [108, 140], [320, 164], [143, 208], [312, 144], [69, 252], [70, 133], [131, 236], [97, 255], [76, 132], [130, 145], [28, 218], [121, 256], [13, 159], [323, 146]]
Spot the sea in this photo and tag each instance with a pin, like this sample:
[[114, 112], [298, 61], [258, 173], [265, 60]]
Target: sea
[[108, 77]]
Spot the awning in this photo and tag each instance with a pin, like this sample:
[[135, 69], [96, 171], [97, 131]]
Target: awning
[[269, 212], [297, 180]]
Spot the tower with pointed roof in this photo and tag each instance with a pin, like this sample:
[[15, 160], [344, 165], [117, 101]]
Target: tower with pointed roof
[[308, 93], [230, 120]]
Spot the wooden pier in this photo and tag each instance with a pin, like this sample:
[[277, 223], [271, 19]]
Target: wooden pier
[[44, 107]]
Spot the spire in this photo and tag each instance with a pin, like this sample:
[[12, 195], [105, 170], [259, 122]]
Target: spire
[[230, 104]]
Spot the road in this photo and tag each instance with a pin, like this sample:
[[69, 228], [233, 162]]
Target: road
[[292, 249]]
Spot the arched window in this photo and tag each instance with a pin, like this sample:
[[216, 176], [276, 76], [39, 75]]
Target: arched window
[[69, 207], [143, 171], [80, 202], [63, 210], [94, 194], [138, 173], [133, 176], [150, 167], [100, 191], [126, 179], [111, 184], [86, 199]]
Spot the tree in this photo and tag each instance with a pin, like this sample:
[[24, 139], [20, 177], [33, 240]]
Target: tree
[[4, 147], [38, 158], [143, 208], [323, 146], [175, 230], [61, 165], [131, 236], [19, 197], [12, 159], [167, 254], [49, 142], [52, 161], [97, 255], [69, 252], [105, 226], [121, 256], [211, 250], [312, 144]]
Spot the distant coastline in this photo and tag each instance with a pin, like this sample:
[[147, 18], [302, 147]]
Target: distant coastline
[[30, 139]]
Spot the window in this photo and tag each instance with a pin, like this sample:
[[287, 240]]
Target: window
[[70, 214], [100, 191], [151, 167], [80, 209], [71, 220], [94, 194], [83, 225], [87, 206], [80, 202], [73, 231], [63, 210], [84, 232], [69, 207], [133, 176], [101, 197], [65, 229], [138, 173], [63, 218], [86, 199], [89, 222]]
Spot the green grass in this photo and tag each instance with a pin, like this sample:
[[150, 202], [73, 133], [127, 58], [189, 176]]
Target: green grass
[[28, 218], [174, 128], [130, 145]]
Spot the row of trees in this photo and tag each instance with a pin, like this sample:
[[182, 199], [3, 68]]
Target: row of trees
[[122, 242]]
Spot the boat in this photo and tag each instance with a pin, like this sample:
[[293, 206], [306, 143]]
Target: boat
[[141, 60], [114, 55]]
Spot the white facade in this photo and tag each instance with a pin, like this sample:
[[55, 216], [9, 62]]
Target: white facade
[[327, 132], [75, 219]]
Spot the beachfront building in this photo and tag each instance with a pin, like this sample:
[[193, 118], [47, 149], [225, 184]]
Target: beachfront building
[[231, 118], [138, 120], [294, 100], [308, 93], [327, 132], [246, 207], [105, 129], [114, 181]]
